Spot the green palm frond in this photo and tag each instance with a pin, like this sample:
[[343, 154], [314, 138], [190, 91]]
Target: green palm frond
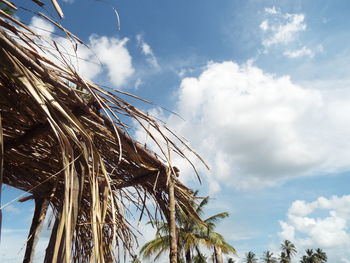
[[156, 245], [193, 233], [215, 218], [203, 203]]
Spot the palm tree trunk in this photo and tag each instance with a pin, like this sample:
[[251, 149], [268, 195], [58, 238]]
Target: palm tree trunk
[[172, 222], [218, 255], [188, 256]]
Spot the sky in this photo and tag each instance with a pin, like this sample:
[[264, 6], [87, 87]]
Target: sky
[[262, 89]]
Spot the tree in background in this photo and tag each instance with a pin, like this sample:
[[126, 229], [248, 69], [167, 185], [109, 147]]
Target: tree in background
[[191, 235], [314, 257], [283, 258], [250, 258], [321, 255], [268, 257], [288, 251], [309, 257]]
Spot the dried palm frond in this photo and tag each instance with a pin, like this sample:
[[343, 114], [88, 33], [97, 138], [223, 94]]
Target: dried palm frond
[[62, 141]]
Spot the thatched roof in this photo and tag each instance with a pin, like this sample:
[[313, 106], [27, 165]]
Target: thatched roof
[[62, 142]]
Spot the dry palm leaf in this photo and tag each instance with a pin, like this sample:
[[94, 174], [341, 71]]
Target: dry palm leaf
[[62, 142]]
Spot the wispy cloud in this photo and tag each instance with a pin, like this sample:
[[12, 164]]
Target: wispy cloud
[[147, 51], [281, 28], [304, 51], [272, 10], [137, 84]]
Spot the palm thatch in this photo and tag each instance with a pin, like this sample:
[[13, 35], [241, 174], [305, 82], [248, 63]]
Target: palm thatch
[[63, 142]]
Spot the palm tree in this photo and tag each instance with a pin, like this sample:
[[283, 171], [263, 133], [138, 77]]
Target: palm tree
[[322, 256], [283, 258], [268, 257], [309, 257], [288, 251], [191, 234], [250, 257], [314, 257]]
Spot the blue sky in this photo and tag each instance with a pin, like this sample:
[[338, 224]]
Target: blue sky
[[263, 90]]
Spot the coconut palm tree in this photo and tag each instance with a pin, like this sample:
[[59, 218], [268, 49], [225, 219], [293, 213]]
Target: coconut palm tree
[[314, 257], [283, 258], [322, 256], [268, 257], [191, 235], [288, 251], [250, 257], [309, 257]]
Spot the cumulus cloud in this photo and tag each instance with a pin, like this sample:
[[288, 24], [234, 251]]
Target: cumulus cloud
[[147, 51], [281, 28], [307, 228], [112, 52], [256, 130], [103, 54]]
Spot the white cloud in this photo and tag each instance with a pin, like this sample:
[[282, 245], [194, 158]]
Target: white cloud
[[307, 228], [271, 10], [103, 53], [147, 51], [256, 130], [112, 52], [12, 249], [41, 26], [304, 51], [264, 25], [138, 83], [281, 28], [13, 246]]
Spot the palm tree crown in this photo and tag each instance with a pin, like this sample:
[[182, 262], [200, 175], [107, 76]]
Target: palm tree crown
[[288, 251], [268, 257], [314, 257], [322, 256], [250, 257]]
